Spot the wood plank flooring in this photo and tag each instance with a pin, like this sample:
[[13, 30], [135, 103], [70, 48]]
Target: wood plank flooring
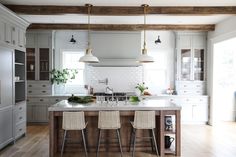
[[197, 141]]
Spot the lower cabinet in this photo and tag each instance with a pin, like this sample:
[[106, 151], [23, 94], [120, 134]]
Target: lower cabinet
[[194, 109], [37, 108], [20, 119], [6, 127]]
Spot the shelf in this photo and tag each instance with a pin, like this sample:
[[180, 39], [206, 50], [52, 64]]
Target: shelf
[[44, 71], [19, 81], [169, 132], [19, 101], [30, 71], [18, 63], [169, 151]]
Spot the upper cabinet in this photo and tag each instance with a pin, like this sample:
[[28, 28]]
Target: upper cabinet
[[191, 56], [12, 29], [191, 63], [39, 55]]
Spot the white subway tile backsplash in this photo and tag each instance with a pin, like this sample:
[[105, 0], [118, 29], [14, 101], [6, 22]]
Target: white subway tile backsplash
[[121, 79]]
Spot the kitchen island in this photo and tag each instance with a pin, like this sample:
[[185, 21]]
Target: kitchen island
[[162, 108]]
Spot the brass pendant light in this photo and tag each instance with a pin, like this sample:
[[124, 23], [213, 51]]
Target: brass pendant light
[[89, 57], [144, 57]]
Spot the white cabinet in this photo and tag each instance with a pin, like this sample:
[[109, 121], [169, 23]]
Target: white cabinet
[[21, 38], [2, 31], [194, 109], [191, 63]]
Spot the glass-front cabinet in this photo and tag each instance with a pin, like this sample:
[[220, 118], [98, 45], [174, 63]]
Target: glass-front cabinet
[[30, 63], [191, 58], [39, 56]]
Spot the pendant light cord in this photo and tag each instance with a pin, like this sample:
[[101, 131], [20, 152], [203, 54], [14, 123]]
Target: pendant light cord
[[89, 11], [144, 28]]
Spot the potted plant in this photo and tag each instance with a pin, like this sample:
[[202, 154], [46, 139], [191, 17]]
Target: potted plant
[[60, 77], [141, 88]]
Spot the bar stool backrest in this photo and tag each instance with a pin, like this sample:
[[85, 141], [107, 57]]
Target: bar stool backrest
[[144, 120], [73, 121], [109, 120]]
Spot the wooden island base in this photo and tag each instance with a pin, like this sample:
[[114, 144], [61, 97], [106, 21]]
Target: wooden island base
[[111, 143]]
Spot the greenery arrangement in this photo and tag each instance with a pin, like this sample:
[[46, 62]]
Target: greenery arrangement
[[81, 99], [62, 76], [141, 87], [134, 99]]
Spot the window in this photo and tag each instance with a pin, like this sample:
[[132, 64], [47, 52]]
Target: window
[[70, 60]]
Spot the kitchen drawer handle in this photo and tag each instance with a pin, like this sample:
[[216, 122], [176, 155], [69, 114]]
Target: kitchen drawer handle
[[7, 41], [30, 91], [43, 91], [30, 86], [20, 118], [20, 108], [185, 91], [57, 99], [185, 85], [27, 100], [41, 100], [198, 85], [43, 85], [14, 42], [20, 129], [20, 46]]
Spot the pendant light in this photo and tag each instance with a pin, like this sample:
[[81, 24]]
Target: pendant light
[[144, 57], [89, 57]]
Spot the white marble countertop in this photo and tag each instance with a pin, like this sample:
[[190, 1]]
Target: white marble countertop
[[64, 105]]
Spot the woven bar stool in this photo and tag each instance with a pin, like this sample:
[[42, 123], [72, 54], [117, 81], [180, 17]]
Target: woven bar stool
[[143, 120], [109, 120], [73, 121]]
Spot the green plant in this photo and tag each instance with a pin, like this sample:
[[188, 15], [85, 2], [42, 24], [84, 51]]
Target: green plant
[[141, 87], [62, 76]]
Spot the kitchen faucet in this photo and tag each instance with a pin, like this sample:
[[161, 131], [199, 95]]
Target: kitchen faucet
[[110, 91]]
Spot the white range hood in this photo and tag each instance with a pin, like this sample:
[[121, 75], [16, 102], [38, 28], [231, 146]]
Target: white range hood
[[116, 48]]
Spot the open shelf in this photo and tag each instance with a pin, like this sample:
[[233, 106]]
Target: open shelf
[[169, 132], [18, 63], [169, 151]]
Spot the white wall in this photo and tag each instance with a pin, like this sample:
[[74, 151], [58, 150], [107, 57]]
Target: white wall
[[223, 31], [163, 54]]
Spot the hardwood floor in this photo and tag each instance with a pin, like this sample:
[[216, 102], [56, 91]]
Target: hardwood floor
[[197, 141]]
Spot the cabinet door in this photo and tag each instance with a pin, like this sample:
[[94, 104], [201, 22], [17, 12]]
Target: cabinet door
[[31, 63], [29, 113], [198, 64], [200, 112], [14, 36], [44, 63], [8, 30], [6, 77], [186, 112], [21, 38], [39, 112], [6, 125], [2, 31], [185, 55]]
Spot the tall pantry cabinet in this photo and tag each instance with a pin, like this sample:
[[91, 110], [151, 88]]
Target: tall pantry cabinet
[[12, 77]]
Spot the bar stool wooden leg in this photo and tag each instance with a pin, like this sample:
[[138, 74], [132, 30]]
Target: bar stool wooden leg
[[155, 143], [98, 144], [134, 142], [119, 139], [85, 148], [63, 143]]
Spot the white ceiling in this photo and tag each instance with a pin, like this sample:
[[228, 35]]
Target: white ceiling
[[125, 2], [152, 19]]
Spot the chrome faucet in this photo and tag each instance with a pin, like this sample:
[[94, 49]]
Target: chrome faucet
[[110, 91]]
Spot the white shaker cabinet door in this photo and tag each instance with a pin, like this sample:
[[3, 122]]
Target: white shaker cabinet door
[[2, 31], [186, 113]]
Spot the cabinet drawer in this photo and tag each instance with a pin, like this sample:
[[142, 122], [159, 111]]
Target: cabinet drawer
[[56, 100], [20, 107], [37, 100], [39, 86], [194, 101], [191, 92], [39, 92], [20, 129], [20, 117]]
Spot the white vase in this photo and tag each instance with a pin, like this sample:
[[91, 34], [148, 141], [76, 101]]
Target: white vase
[[59, 88]]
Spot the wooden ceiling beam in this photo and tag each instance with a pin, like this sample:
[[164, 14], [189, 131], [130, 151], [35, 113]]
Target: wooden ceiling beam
[[121, 10], [120, 27]]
